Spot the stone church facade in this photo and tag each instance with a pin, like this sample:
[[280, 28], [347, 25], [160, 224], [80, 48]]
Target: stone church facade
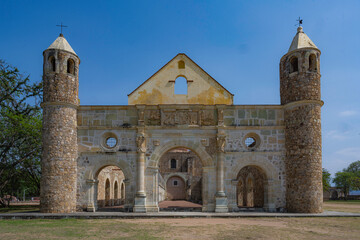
[[251, 156]]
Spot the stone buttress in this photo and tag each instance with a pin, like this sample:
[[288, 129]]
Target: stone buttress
[[59, 160], [300, 96]]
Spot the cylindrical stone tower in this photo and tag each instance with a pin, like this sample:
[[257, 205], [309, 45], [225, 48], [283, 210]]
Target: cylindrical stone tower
[[60, 102], [300, 96]]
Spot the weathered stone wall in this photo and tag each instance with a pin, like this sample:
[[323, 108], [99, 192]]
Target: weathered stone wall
[[201, 87], [303, 84], [190, 126], [303, 153], [300, 95], [58, 181]]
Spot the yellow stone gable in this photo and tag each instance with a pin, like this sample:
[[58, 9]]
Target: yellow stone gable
[[201, 87]]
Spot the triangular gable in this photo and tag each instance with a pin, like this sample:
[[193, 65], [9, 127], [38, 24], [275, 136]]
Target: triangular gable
[[159, 88]]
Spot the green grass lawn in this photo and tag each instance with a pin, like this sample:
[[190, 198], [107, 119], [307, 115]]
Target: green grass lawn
[[187, 228], [194, 228]]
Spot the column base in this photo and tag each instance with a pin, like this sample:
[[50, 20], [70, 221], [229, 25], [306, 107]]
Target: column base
[[221, 204], [140, 202], [90, 208]]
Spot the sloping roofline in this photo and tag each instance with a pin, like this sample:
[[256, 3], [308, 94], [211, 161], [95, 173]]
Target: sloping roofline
[[172, 60]]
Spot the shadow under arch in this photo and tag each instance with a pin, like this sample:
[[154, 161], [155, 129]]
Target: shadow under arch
[[123, 165], [205, 158]]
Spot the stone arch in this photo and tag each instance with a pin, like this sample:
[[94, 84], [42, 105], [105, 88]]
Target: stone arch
[[110, 161], [312, 62], [272, 183], [181, 85], [174, 175], [70, 66], [205, 158], [52, 63], [294, 64], [177, 192]]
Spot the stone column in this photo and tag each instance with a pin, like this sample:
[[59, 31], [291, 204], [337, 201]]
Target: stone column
[[140, 198], [220, 197], [91, 206]]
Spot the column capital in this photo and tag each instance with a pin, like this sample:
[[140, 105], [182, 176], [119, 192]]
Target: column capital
[[141, 143], [220, 143]]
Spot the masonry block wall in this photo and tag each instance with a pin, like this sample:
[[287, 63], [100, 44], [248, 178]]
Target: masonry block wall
[[59, 159]]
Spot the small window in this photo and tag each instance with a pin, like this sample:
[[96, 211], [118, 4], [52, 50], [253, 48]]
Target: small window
[[181, 86], [181, 64], [52, 63], [294, 65], [175, 182], [173, 163], [71, 66], [250, 142], [111, 142], [312, 63]]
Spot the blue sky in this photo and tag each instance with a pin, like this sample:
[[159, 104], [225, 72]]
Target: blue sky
[[239, 43]]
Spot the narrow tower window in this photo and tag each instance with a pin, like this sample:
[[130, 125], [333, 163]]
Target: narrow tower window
[[312, 63], [52, 63], [70, 66], [173, 163], [181, 86], [294, 65], [181, 64]]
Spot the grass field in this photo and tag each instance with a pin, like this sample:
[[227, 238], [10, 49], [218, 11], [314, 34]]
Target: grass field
[[190, 228], [201, 228], [343, 206]]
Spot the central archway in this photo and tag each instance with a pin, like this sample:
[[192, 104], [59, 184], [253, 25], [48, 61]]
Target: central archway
[[180, 173]]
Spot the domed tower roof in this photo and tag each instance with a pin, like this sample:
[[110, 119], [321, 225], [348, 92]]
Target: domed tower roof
[[301, 40], [61, 44]]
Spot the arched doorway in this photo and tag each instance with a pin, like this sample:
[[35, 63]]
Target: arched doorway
[[180, 179], [175, 188], [122, 200], [107, 193], [116, 193], [251, 187], [108, 190]]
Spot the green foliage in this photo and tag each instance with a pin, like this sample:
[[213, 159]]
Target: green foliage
[[326, 179], [20, 132], [349, 178]]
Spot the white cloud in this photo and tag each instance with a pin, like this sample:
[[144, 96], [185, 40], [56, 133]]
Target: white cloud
[[348, 113], [352, 152], [336, 135]]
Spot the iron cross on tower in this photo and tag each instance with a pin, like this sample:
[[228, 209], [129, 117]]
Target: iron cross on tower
[[299, 22], [61, 26]]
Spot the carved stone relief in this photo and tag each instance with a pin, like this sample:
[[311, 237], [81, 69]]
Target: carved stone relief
[[207, 117]]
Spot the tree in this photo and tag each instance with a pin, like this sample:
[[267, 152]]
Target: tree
[[349, 178], [20, 131], [326, 179], [354, 167]]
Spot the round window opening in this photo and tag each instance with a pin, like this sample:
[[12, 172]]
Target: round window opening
[[250, 142], [111, 142]]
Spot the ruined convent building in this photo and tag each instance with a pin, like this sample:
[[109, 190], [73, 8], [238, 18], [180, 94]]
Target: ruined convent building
[[197, 146]]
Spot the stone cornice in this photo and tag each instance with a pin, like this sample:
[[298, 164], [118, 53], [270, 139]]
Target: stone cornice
[[66, 104], [303, 102]]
